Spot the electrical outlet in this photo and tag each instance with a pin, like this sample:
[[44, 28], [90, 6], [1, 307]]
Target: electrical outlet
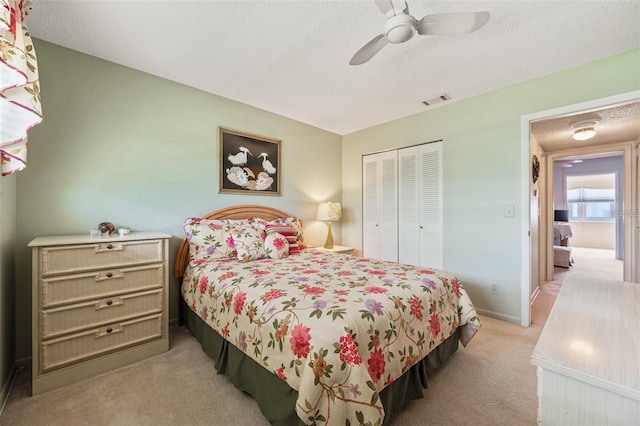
[[495, 289]]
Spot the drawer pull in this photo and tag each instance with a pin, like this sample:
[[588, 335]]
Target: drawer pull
[[103, 248], [101, 276], [109, 303], [108, 330]]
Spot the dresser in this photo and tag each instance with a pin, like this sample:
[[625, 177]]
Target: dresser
[[588, 355], [98, 303]]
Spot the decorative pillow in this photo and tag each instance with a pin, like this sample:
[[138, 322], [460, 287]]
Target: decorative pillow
[[296, 223], [208, 239], [276, 245], [249, 243], [286, 231]]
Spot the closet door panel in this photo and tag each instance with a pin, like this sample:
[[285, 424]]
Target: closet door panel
[[431, 223], [420, 205], [408, 209], [380, 205], [389, 207], [370, 210]]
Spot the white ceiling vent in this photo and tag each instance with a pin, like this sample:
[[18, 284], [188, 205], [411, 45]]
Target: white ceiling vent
[[443, 97]]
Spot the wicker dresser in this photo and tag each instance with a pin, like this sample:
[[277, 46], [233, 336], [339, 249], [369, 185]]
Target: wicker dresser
[[98, 304]]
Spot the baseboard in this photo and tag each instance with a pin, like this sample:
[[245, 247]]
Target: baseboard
[[497, 315], [6, 387]]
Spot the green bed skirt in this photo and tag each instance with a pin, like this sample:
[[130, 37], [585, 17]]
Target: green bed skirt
[[277, 400]]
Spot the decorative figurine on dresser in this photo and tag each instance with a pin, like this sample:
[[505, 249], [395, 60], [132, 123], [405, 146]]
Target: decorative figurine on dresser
[[98, 303]]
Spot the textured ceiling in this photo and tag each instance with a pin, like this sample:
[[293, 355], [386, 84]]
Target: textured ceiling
[[614, 124], [291, 57]]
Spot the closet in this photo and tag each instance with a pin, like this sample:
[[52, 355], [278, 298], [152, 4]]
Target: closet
[[402, 194]]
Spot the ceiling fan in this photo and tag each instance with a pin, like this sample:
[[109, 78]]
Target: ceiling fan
[[401, 27]]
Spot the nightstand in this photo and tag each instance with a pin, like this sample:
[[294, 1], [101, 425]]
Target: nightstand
[[336, 249]]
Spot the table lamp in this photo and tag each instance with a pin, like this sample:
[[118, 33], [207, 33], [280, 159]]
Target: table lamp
[[329, 212]]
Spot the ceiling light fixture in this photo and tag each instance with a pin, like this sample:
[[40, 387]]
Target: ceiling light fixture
[[584, 130]]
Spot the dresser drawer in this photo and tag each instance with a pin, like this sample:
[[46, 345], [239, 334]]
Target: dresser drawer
[[104, 254], [93, 285], [71, 318], [100, 340]]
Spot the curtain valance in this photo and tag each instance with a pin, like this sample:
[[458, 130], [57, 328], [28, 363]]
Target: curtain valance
[[20, 107]]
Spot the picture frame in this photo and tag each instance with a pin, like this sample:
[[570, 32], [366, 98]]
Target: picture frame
[[249, 164]]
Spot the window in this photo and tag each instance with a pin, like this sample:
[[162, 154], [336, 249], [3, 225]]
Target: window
[[591, 198]]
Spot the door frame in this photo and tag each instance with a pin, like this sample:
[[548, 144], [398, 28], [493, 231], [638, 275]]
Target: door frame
[[525, 199]]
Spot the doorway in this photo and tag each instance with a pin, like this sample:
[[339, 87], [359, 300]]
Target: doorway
[[588, 232], [537, 201]]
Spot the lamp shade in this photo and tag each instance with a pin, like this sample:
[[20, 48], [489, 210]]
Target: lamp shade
[[329, 212]]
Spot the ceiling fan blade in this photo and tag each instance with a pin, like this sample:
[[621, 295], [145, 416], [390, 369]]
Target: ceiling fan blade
[[452, 23], [369, 50], [385, 7]]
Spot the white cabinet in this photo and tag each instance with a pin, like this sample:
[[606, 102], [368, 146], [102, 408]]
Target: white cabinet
[[98, 304], [587, 355], [380, 205], [420, 205]]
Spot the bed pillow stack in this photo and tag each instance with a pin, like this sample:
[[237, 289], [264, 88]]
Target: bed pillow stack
[[245, 239]]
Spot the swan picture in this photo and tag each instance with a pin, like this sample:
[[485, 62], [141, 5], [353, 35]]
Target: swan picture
[[266, 164], [239, 159], [241, 170]]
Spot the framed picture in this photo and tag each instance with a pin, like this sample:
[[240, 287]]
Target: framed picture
[[249, 164]]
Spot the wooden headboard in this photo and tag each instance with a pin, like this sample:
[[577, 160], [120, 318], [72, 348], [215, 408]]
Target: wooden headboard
[[235, 212]]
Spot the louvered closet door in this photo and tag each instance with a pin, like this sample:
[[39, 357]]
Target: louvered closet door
[[420, 205], [380, 206], [431, 224], [408, 206]]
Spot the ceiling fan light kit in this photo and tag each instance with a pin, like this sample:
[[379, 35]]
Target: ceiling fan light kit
[[401, 27]]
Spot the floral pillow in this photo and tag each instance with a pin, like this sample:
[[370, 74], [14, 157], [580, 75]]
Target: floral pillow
[[208, 239], [276, 245], [249, 243], [286, 231], [296, 223]]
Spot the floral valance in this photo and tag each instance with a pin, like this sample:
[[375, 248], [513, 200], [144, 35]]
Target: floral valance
[[20, 107]]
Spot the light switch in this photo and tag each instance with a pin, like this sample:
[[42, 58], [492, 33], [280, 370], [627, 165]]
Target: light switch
[[509, 210]]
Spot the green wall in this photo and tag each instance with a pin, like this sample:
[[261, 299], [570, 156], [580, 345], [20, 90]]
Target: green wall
[[123, 146], [482, 171], [7, 281]]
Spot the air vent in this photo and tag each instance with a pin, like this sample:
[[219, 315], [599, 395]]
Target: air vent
[[443, 97]]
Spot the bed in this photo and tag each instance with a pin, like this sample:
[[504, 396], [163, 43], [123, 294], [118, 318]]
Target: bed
[[315, 337]]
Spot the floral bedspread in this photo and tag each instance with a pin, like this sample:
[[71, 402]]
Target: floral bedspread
[[336, 328]]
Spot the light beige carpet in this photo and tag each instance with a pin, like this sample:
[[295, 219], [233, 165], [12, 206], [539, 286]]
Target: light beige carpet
[[491, 382], [592, 262]]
